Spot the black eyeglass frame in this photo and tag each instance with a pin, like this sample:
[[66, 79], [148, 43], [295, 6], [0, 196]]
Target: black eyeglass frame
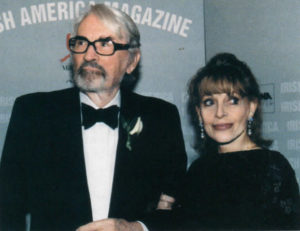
[[117, 46]]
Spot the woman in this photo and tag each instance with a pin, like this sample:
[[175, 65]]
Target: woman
[[237, 182]]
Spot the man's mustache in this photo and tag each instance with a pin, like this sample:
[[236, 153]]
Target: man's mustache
[[82, 71]]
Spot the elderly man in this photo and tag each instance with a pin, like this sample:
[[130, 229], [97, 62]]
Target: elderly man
[[94, 153]]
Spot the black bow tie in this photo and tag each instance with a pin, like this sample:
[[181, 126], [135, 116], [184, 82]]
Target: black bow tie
[[90, 116]]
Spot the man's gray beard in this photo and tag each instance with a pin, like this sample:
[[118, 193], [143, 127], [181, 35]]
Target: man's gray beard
[[85, 80]]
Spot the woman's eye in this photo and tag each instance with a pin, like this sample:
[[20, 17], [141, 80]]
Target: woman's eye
[[207, 102], [234, 100]]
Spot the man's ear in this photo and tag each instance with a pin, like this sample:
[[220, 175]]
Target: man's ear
[[133, 62]]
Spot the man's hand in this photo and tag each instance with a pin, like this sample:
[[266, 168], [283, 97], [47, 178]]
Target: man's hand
[[111, 225], [165, 202]]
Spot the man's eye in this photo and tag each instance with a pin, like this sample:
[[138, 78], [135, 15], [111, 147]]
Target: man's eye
[[106, 43], [80, 43]]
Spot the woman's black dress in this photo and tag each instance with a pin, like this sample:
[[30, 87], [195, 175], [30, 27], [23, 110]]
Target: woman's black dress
[[254, 189]]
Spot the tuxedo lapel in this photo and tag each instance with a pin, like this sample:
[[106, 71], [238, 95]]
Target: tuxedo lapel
[[69, 145], [129, 110], [69, 121]]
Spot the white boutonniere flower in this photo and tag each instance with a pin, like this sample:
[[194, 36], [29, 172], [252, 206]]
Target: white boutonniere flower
[[138, 127], [133, 127]]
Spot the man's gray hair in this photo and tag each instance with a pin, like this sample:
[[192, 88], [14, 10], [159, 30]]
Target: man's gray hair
[[116, 20]]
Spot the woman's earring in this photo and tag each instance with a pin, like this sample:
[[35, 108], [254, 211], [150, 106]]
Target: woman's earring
[[201, 130], [249, 126]]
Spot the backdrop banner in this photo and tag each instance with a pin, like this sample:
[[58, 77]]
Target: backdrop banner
[[35, 57]]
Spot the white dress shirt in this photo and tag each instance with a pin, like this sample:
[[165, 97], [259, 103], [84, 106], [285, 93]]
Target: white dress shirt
[[100, 146]]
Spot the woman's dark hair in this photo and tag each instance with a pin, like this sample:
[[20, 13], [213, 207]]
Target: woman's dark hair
[[224, 73]]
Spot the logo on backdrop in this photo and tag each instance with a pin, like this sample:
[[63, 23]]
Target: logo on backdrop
[[288, 89], [268, 98], [68, 36], [68, 66], [60, 11]]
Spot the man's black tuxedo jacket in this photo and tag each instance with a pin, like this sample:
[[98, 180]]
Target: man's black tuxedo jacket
[[43, 171]]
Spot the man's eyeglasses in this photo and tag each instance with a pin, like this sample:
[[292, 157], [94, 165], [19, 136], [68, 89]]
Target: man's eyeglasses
[[103, 46]]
